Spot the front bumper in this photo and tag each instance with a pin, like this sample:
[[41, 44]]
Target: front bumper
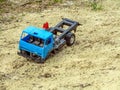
[[30, 56]]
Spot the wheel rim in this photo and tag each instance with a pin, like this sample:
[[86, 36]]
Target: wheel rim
[[72, 40]]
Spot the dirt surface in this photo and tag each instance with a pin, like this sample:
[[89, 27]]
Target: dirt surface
[[92, 63]]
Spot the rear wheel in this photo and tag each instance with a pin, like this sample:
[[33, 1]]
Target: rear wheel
[[70, 39]]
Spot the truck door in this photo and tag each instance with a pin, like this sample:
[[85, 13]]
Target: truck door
[[48, 46]]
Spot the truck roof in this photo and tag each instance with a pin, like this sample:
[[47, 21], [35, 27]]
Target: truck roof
[[37, 32]]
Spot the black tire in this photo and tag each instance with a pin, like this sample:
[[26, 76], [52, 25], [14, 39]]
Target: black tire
[[22, 52], [39, 60], [25, 53], [70, 39]]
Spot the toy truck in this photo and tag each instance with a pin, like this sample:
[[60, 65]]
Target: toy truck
[[37, 43]]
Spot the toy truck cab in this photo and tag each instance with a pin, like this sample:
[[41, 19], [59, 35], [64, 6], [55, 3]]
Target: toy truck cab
[[35, 43]]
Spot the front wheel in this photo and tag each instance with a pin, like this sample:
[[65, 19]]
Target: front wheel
[[70, 39], [39, 60]]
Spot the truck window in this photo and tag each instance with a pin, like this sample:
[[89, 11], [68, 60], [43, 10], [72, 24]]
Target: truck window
[[48, 41], [41, 44], [24, 35], [36, 41]]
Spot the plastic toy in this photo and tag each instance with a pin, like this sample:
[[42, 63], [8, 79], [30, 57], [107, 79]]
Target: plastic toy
[[38, 43]]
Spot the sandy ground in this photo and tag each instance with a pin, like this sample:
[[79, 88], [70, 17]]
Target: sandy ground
[[92, 63]]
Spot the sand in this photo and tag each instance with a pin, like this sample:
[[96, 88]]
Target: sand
[[92, 63]]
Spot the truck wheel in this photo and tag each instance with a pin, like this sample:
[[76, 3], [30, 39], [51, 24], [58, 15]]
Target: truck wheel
[[39, 60], [70, 39], [42, 60], [22, 52], [25, 53]]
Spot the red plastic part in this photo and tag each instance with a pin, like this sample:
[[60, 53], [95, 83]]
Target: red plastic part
[[46, 25]]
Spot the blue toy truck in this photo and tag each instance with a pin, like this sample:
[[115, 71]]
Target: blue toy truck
[[37, 43]]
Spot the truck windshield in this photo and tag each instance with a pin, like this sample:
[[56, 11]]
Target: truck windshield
[[32, 39], [24, 35]]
